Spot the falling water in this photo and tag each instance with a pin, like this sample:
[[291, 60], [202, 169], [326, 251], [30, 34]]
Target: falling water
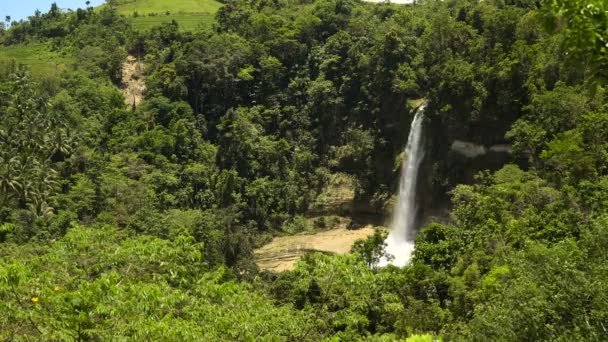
[[400, 241]]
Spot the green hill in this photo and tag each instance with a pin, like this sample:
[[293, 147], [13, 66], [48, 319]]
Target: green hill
[[37, 57], [162, 6], [144, 14], [157, 185], [190, 14]]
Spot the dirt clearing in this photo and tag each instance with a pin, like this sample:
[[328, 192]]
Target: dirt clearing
[[282, 253]]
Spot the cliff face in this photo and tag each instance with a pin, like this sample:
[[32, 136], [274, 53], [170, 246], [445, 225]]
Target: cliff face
[[456, 152]]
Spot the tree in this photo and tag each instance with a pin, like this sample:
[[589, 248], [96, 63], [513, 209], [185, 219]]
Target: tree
[[54, 12], [373, 249], [586, 31], [112, 3]]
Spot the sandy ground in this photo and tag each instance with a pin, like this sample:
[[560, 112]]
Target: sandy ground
[[133, 81], [282, 253]]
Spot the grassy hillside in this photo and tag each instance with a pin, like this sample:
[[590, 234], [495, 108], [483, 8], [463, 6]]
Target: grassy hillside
[[161, 6], [187, 22], [41, 61], [190, 14]]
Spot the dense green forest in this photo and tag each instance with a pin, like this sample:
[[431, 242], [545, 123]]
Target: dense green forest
[[138, 222]]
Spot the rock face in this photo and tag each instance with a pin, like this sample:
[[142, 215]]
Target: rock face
[[456, 154], [501, 148], [468, 149], [471, 150], [465, 159]]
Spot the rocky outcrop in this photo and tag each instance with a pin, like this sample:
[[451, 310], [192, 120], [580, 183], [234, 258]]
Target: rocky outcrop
[[471, 150], [456, 154], [468, 149]]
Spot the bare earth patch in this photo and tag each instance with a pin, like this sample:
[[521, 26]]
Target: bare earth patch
[[335, 201], [282, 253], [133, 81]]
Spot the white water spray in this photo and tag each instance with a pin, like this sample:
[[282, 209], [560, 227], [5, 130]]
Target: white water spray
[[400, 241]]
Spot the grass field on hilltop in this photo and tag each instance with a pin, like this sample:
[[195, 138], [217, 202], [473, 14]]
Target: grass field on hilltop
[[127, 7], [37, 57], [189, 14], [187, 22]]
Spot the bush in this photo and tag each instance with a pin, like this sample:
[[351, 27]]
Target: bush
[[326, 222], [297, 224]]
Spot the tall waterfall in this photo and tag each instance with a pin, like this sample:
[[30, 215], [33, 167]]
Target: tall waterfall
[[400, 241]]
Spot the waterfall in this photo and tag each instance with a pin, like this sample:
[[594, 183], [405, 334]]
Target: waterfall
[[400, 241]]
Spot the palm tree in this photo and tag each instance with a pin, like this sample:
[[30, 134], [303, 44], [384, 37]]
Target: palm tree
[[30, 136], [9, 178]]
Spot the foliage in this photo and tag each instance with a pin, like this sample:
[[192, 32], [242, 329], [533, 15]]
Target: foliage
[[586, 30], [372, 249], [139, 222], [114, 286]]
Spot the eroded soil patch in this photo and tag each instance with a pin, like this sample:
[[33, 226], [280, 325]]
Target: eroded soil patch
[[282, 253], [133, 81]]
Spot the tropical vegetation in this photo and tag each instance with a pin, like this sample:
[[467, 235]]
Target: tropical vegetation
[[138, 222]]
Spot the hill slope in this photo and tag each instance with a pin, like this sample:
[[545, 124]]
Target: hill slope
[[189, 14], [161, 6], [37, 57]]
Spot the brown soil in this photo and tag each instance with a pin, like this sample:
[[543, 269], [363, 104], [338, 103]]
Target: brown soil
[[133, 81], [336, 200], [282, 253]]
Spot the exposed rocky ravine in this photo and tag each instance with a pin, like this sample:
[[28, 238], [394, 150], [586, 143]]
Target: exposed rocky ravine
[[133, 81]]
